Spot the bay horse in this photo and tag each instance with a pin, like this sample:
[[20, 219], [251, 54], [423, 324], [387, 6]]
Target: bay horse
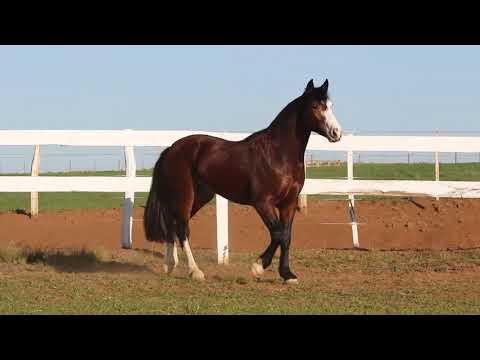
[[265, 170]]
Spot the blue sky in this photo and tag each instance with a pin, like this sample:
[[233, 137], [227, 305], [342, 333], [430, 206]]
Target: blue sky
[[237, 88]]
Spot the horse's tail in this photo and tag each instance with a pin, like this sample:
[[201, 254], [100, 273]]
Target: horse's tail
[[156, 212]]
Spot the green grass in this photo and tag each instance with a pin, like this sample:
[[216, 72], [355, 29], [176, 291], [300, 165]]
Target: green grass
[[58, 201], [331, 282], [420, 171]]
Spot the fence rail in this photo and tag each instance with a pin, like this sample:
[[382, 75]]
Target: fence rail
[[450, 144], [131, 183]]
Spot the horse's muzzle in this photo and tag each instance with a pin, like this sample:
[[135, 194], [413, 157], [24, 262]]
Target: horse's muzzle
[[334, 135]]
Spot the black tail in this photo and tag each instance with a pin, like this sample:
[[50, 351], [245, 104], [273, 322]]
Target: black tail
[[156, 214]]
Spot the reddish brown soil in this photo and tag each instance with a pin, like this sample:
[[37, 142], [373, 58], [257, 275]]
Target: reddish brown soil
[[384, 224]]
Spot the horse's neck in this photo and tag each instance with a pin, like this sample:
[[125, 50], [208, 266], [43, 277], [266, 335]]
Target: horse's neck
[[289, 133]]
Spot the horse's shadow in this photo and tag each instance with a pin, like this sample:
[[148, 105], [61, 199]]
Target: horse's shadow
[[22, 212], [81, 262], [150, 253]]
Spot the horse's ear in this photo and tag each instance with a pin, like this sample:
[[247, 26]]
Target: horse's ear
[[324, 88], [310, 86]]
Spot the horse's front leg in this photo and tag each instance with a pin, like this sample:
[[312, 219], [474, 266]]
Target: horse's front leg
[[287, 214], [265, 260], [284, 267], [280, 228], [271, 220], [280, 236]]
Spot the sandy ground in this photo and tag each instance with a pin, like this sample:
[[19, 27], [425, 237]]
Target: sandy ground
[[384, 224]]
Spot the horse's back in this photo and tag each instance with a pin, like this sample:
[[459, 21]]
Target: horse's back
[[220, 164], [240, 171]]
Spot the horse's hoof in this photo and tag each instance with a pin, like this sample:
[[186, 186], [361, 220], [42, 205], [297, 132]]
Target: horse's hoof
[[257, 270], [291, 281], [168, 268], [197, 275]]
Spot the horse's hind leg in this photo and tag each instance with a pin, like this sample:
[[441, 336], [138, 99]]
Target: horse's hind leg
[[201, 195], [171, 256], [186, 196], [193, 269]]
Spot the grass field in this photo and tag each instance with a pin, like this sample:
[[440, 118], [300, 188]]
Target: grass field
[[57, 201], [332, 282]]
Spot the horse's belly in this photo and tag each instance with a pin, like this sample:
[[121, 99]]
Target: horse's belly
[[229, 183], [231, 188]]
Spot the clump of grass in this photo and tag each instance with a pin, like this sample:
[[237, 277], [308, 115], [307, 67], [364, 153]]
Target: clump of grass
[[70, 259], [12, 255], [101, 255], [15, 255], [193, 307]]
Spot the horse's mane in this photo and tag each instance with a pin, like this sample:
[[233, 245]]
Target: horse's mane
[[279, 120]]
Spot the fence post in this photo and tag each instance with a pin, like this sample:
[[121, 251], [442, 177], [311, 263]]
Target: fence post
[[351, 202], [127, 225], [302, 198], [34, 172], [222, 229]]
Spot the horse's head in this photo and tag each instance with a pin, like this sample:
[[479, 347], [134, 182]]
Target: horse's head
[[318, 113]]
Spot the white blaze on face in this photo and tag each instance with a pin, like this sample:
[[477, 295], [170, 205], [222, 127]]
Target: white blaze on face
[[334, 129]]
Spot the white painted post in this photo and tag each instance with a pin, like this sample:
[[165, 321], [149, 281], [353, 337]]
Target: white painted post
[[302, 199], [351, 203], [35, 171], [130, 168], [222, 229], [437, 169]]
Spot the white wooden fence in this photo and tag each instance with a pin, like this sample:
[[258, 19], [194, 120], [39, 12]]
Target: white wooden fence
[[130, 184]]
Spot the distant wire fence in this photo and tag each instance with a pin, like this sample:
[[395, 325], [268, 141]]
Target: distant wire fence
[[74, 160], [325, 158]]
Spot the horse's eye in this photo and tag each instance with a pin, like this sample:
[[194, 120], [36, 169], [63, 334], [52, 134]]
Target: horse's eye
[[315, 105]]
